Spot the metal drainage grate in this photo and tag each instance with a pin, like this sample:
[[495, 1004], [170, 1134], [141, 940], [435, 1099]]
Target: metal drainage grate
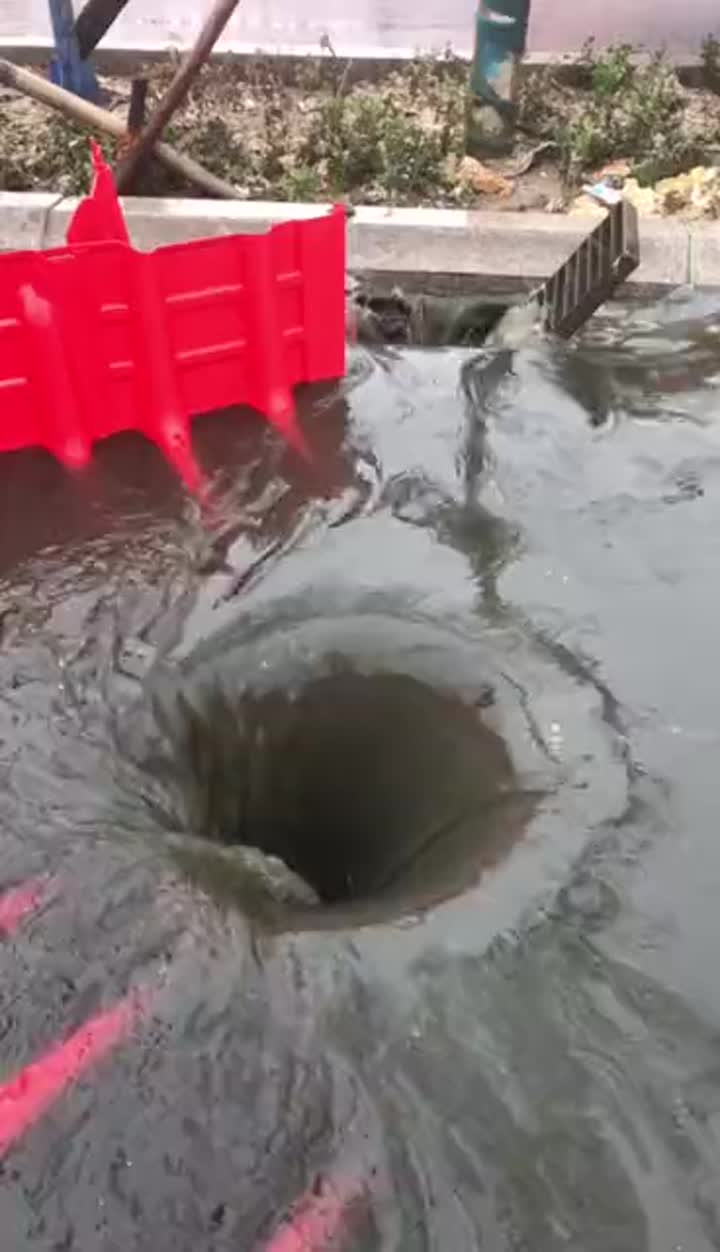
[[590, 276]]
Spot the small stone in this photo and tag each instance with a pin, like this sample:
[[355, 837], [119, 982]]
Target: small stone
[[480, 178], [217, 1216], [614, 169]]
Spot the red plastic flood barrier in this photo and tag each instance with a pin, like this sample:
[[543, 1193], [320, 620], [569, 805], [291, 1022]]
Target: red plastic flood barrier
[[97, 337]]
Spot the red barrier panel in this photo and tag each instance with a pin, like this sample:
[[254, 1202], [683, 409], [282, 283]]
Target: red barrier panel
[[97, 337]]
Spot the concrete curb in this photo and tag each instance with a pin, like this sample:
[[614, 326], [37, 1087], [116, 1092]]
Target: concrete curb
[[25, 218], [433, 249], [366, 60]]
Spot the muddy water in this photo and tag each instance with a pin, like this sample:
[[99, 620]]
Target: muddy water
[[509, 575]]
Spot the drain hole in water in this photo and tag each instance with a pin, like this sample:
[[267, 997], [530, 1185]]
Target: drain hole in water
[[424, 320], [377, 789]]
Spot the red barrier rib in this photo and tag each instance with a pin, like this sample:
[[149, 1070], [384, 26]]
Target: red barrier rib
[[24, 1098], [19, 902], [319, 1219]]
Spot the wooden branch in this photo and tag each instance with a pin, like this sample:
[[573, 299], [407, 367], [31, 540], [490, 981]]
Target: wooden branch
[[92, 116], [95, 21], [135, 116], [176, 92]]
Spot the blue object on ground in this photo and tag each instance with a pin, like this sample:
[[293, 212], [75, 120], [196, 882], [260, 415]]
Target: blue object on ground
[[66, 68]]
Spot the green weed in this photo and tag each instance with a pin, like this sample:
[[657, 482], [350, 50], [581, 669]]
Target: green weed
[[631, 110]]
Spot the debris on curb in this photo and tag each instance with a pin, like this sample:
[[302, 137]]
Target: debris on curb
[[472, 174]]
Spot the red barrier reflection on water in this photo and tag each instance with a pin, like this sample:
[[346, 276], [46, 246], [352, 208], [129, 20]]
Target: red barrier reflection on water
[[321, 1219], [27, 1096], [19, 902]]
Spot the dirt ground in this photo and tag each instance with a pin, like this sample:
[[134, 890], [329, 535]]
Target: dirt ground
[[400, 139]]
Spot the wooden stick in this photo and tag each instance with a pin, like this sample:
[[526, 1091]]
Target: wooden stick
[[92, 116], [176, 92], [135, 117], [95, 21], [136, 111]]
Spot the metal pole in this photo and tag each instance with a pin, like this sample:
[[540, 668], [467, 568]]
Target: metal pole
[[67, 68], [95, 21], [500, 34]]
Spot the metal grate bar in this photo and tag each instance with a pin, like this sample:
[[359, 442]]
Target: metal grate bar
[[590, 276]]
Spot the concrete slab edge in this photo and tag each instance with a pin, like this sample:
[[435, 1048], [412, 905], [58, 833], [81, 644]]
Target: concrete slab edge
[[367, 60], [438, 249]]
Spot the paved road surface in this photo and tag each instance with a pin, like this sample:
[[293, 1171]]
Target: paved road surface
[[394, 24]]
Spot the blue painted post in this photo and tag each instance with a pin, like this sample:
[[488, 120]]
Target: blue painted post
[[66, 67], [500, 34]]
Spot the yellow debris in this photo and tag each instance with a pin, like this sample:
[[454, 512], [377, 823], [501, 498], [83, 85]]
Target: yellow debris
[[696, 194], [643, 198], [692, 195]]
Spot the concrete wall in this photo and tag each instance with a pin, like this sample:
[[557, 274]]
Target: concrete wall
[[559, 25]]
